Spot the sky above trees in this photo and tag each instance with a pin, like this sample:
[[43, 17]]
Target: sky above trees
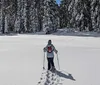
[[58, 1]]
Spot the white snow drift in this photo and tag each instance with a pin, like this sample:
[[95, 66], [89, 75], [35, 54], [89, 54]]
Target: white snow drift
[[21, 59]]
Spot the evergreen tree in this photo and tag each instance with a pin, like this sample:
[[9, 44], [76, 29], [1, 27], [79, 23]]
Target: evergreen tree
[[7, 15], [63, 13], [96, 14], [84, 21], [66, 13], [76, 13], [50, 18]]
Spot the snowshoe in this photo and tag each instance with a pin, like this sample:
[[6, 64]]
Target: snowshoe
[[53, 69]]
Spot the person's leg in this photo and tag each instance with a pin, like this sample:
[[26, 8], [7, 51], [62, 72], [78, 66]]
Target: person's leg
[[52, 62], [48, 63]]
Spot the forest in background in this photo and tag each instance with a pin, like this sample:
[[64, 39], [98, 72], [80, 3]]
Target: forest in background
[[29, 16]]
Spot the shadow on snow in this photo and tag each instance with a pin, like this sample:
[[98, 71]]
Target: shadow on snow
[[65, 75]]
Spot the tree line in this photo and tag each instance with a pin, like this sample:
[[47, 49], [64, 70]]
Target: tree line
[[31, 16]]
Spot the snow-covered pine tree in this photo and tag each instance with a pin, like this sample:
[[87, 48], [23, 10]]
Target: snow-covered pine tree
[[28, 16], [96, 15], [7, 15], [11, 15], [39, 14], [72, 14], [50, 18], [77, 14], [83, 15], [22, 15], [67, 9], [2, 18], [0, 21], [33, 18], [63, 13]]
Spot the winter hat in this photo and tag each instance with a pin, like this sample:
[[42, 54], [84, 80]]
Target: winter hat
[[49, 42]]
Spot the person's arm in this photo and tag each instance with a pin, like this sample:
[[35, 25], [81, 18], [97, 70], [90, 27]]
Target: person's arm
[[45, 49], [55, 49]]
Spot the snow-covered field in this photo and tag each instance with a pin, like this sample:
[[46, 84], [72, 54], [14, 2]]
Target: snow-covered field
[[21, 59]]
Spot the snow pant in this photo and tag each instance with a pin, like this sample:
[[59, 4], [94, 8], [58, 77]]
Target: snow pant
[[50, 63]]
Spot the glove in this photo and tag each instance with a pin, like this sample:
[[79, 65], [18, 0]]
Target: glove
[[44, 49], [56, 51]]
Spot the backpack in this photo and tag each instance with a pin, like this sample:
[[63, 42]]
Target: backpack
[[49, 49]]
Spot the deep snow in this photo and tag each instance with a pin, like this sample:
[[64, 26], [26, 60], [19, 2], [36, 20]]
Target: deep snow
[[21, 59]]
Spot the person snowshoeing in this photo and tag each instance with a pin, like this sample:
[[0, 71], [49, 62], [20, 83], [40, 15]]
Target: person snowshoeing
[[50, 49]]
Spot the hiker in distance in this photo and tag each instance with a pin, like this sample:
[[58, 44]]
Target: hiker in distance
[[50, 49]]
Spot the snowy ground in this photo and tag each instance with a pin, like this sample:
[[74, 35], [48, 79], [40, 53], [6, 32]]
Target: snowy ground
[[21, 59]]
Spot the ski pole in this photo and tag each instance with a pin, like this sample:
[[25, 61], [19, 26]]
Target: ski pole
[[58, 61], [44, 61]]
